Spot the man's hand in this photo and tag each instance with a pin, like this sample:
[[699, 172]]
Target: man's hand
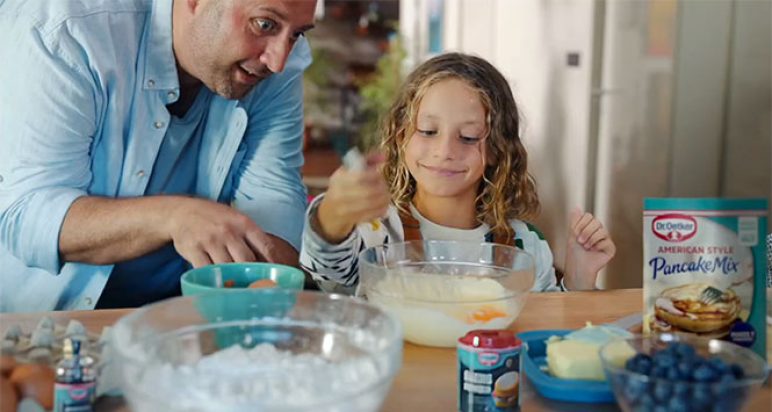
[[205, 232]]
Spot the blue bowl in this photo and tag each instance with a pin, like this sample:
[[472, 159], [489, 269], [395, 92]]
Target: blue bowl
[[533, 359], [205, 278]]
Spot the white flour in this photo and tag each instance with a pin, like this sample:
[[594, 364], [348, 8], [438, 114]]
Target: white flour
[[278, 381]]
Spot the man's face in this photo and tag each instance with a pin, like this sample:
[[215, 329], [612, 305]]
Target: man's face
[[234, 44]]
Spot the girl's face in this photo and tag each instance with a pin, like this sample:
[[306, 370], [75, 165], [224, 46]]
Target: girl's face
[[446, 153]]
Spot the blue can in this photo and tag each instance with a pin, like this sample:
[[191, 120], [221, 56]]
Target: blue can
[[488, 371]]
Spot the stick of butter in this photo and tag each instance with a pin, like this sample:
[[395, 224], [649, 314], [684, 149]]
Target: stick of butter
[[575, 356]]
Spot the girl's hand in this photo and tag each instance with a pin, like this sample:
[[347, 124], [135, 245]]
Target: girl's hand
[[353, 197], [588, 251]]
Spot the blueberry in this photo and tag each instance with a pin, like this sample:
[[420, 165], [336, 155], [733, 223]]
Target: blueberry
[[658, 372], [718, 365], [635, 388], [727, 379], [673, 347], [646, 401], [662, 390], [665, 360], [644, 365], [728, 403], [670, 349], [704, 373], [640, 363], [724, 386], [698, 406], [678, 404], [680, 389], [737, 371], [660, 408], [685, 370], [673, 374], [684, 351], [702, 395], [632, 364]]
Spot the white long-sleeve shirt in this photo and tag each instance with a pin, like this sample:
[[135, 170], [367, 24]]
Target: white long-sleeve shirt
[[336, 268]]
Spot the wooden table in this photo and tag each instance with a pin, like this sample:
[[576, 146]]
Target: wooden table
[[428, 378]]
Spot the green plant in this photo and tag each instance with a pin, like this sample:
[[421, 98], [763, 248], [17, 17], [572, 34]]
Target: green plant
[[317, 78], [379, 91]]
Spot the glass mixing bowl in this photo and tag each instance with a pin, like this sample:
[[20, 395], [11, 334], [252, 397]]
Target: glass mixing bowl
[[441, 290], [681, 389], [257, 350]]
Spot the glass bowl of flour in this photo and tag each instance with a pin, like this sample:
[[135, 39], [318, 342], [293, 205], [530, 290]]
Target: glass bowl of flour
[[252, 349], [440, 290]]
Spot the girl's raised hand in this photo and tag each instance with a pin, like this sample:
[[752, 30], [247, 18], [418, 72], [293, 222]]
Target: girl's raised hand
[[354, 196], [589, 249]]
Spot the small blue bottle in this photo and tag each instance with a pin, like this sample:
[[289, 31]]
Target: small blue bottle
[[75, 387]]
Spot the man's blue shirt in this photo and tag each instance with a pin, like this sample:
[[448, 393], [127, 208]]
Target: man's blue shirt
[[83, 93]]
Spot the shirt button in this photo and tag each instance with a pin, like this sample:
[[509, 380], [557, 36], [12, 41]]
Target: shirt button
[[171, 95], [150, 83], [141, 173], [158, 124], [88, 301]]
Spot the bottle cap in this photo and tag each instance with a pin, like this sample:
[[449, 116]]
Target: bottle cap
[[490, 339], [71, 346]]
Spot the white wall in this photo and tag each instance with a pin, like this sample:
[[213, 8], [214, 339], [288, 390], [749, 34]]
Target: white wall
[[749, 105], [635, 127], [554, 99], [700, 90]]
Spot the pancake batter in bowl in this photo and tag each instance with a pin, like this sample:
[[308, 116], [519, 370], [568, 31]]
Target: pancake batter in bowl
[[437, 309]]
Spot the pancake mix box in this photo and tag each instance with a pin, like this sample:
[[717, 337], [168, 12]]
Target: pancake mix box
[[704, 269]]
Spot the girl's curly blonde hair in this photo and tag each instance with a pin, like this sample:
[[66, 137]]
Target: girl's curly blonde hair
[[507, 191]]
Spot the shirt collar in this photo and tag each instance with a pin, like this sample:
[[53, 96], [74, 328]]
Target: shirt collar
[[160, 67], [440, 232]]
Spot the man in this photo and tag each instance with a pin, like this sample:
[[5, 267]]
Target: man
[[142, 136]]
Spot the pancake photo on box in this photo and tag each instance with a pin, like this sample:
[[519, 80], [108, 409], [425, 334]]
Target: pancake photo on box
[[696, 307], [505, 390]]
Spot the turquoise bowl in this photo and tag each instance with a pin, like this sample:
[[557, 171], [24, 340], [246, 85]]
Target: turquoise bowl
[[204, 279]]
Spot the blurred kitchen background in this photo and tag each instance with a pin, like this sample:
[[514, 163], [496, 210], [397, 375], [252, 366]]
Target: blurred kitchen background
[[621, 99]]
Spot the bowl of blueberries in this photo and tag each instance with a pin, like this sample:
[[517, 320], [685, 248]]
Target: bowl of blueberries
[[674, 372]]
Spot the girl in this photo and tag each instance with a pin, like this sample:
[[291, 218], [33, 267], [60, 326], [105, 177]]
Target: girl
[[454, 169]]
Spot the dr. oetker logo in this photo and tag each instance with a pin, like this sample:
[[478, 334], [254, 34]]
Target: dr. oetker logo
[[674, 227]]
